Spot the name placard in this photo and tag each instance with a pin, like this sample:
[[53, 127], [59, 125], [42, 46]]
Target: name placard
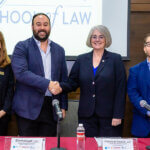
[[117, 144], [27, 144]]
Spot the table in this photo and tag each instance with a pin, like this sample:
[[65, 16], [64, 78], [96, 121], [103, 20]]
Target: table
[[70, 143]]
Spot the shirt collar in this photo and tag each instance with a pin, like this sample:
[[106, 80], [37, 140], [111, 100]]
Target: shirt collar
[[39, 43], [148, 62]]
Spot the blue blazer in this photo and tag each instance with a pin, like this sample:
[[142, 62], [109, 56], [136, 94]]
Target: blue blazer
[[104, 93], [139, 89], [31, 83]]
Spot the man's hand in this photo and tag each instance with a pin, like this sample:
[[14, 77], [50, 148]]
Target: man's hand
[[2, 113], [54, 87], [63, 113], [116, 122]]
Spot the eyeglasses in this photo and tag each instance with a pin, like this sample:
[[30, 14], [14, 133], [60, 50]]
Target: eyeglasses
[[100, 37], [147, 44]]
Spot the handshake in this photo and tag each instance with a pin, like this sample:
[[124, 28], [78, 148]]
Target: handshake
[[54, 87]]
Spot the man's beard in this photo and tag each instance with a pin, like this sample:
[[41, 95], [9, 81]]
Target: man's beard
[[147, 54], [38, 37]]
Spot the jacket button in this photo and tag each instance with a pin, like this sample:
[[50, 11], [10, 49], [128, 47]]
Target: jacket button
[[93, 95], [93, 83]]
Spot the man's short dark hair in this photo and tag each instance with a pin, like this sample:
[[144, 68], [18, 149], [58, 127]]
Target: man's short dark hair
[[38, 14]]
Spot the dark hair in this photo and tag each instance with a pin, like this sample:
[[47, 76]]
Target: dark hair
[[38, 14], [146, 36]]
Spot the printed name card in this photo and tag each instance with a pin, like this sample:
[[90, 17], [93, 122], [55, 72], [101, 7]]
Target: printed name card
[[27, 144], [117, 144]]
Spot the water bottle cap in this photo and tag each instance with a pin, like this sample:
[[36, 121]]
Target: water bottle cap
[[80, 125]]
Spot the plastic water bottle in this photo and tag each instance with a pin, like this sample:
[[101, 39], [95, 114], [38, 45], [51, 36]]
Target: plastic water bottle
[[80, 137]]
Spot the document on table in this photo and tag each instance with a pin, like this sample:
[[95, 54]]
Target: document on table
[[27, 144]]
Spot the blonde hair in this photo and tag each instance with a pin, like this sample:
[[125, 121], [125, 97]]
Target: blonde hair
[[4, 58], [104, 31]]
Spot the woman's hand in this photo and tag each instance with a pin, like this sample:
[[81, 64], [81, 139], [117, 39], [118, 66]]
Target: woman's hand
[[2, 113], [116, 122]]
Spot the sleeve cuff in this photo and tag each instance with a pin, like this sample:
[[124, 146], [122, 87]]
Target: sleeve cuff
[[148, 113]]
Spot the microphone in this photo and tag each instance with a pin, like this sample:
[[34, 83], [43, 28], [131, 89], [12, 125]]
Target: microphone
[[144, 104], [55, 104]]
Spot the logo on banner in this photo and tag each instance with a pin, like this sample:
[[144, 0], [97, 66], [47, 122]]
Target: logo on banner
[[2, 2]]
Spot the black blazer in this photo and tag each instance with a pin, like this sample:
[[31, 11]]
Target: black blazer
[[104, 93], [6, 88]]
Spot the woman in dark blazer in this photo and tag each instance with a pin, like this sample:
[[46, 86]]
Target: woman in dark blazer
[[6, 87], [101, 76]]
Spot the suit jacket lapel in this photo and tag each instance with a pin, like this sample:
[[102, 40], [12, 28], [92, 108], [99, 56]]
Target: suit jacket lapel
[[38, 56], [145, 82], [146, 72], [90, 64], [53, 61], [102, 63]]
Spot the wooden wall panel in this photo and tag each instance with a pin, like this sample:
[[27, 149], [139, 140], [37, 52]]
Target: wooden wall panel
[[140, 1], [140, 7]]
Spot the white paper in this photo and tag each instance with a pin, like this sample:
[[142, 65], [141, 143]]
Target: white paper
[[27, 144], [99, 141], [117, 144]]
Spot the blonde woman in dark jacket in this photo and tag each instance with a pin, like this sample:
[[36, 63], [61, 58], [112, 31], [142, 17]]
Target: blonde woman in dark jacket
[[6, 87]]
